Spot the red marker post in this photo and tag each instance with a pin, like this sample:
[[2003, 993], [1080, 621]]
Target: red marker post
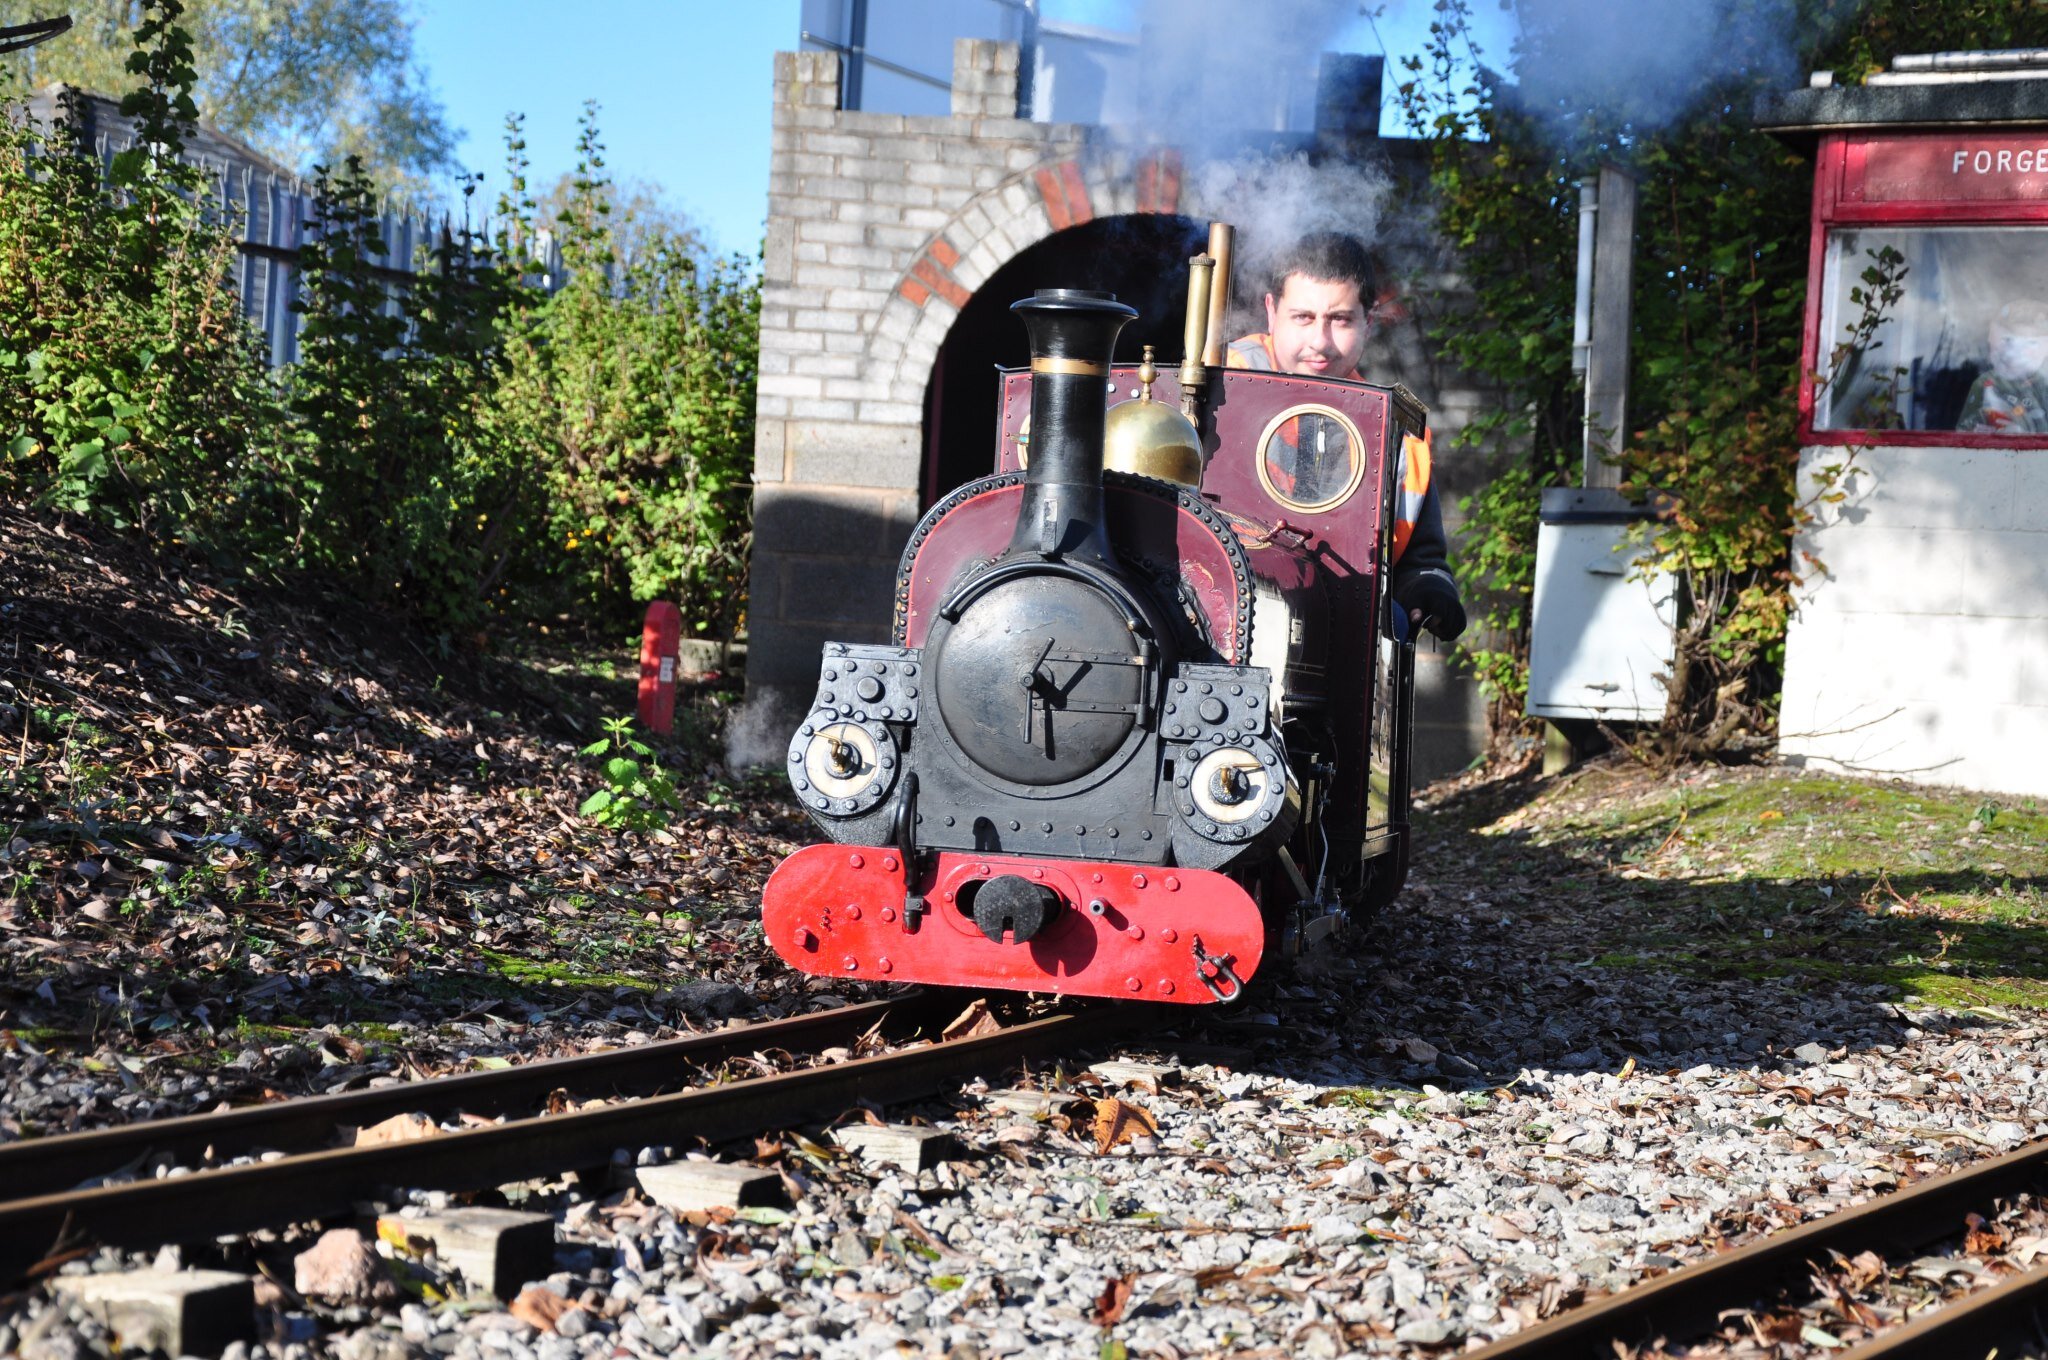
[[658, 646]]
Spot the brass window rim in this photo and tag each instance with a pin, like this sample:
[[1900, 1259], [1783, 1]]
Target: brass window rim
[[1357, 458]]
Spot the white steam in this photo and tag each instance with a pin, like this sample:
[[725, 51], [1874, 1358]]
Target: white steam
[[1275, 201], [1216, 69], [1646, 65], [757, 733]]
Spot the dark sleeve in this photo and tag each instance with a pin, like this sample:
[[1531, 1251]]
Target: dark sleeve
[[1428, 551], [1422, 578]]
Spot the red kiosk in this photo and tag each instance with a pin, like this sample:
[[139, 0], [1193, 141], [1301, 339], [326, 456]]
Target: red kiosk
[[1929, 409]]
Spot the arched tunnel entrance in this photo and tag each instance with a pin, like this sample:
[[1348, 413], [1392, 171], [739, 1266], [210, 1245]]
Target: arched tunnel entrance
[[1140, 257]]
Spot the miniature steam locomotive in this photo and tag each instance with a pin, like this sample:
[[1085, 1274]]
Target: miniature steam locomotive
[[1144, 720]]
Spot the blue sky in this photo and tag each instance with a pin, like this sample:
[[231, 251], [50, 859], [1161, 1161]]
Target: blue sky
[[684, 86]]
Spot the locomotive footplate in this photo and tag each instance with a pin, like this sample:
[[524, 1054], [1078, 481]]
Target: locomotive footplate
[[1087, 929]]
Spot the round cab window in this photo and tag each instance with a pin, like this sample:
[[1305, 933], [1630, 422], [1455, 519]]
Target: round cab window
[[1311, 458]]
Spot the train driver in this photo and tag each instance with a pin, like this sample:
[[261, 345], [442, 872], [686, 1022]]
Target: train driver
[[1318, 315]]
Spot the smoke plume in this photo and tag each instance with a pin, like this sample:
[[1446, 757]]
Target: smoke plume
[[1275, 200], [1625, 64]]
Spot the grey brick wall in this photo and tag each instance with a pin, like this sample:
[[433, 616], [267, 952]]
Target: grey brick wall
[[880, 228]]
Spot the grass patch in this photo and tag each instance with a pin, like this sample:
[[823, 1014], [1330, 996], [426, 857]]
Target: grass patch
[[1753, 874]]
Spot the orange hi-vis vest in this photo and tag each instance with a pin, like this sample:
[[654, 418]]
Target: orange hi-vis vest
[[1256, 351]]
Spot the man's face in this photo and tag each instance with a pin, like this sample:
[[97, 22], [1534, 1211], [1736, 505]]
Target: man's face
[[1318, 326]]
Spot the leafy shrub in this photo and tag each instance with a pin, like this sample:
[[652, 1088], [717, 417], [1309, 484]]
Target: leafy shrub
[[458, 446], [637, 379], [637, 796], [130, 386]]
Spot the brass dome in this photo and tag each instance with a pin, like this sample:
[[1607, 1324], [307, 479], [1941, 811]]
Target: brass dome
[[1151, 437]]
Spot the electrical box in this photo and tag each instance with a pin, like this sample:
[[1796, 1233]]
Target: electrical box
[[1600, 642]]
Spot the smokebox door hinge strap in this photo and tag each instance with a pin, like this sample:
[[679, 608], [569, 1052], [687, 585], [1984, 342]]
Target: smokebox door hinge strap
[[903, 830]]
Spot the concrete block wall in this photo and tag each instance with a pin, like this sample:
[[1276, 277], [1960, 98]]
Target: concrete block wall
[[1920, 649], [880, 229]]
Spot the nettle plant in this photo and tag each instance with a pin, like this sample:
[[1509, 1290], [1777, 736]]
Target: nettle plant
[[638, 794]]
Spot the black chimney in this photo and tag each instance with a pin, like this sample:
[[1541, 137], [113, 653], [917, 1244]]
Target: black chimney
[[1073, 333]]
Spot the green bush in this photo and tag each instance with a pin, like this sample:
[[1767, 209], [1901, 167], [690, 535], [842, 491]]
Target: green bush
[[130, 386], [637, 379], [460, 447]]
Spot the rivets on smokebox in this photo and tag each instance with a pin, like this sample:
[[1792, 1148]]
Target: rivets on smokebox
[[1016, 825], [1131, 984], [1045, 826]]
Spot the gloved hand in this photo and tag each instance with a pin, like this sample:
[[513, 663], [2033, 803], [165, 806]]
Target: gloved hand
[[1437, 599]]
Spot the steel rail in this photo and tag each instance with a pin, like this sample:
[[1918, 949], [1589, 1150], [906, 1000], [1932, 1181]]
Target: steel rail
[[1688, 1302], [36, 1166], [327, 1184]]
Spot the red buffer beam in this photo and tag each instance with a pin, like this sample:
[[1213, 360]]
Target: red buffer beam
[[1136, 932]]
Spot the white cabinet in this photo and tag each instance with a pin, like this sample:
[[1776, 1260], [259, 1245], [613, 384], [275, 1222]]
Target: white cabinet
[[1600, 641]]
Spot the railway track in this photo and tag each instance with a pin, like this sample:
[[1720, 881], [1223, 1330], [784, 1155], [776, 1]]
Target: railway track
[[42, 1223], [1688, 1305]]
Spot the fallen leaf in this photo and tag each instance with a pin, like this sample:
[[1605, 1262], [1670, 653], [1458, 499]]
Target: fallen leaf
[[539, 1306], [1983, 1240], [399, 1128], [1110, 1303], [1119, 1121], [973, 1023]]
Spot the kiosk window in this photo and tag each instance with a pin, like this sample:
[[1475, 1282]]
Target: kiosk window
[[1965, 346], [1311, 458]]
